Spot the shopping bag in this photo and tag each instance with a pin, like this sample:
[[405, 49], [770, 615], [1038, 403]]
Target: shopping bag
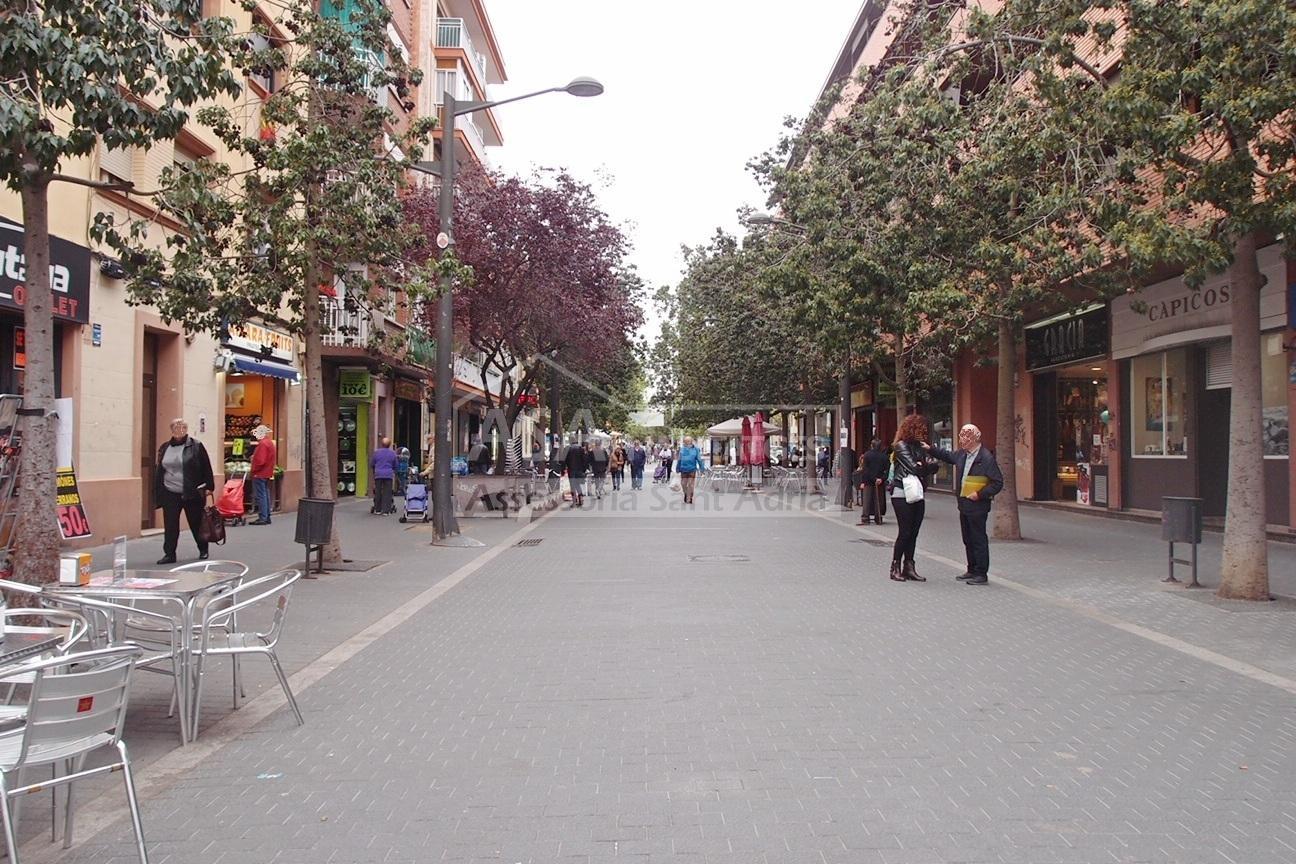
[[913, 490], [212, 527]]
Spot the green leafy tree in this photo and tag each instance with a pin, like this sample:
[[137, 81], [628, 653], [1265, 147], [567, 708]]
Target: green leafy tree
[[319, 206], [76, 72], [1204, 106]]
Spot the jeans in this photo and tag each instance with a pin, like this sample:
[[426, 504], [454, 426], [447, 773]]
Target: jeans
[[636, 477], [599, 480], [172, 504], [261, 495], [910, 518], [618, 475]]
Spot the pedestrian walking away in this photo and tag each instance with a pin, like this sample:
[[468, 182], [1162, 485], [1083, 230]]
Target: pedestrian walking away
[[666, 457], [383, 464], [873, 471], [978, 479], [690, 459], [182, 480], [910, 468], [619, 460], [264, 458], [576, 464], [638, 459], [599, 461]]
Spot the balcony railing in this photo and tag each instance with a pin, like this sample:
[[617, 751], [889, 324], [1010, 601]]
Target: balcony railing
[[452, 33], [343, 327]]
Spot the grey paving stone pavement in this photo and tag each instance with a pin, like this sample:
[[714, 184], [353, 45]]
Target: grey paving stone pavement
[[741, 683]]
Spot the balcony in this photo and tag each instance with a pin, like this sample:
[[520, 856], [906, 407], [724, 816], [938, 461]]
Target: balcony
[[342, 327], [453, 33]]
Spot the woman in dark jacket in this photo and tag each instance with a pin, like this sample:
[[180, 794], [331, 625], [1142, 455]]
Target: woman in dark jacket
[[909, 459], [182, 481]]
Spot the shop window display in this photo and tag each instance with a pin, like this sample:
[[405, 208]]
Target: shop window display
[[1081, 431], [1276, 425], [1158, 400]]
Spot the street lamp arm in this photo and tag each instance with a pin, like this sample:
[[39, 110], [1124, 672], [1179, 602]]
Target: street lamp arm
[[462, 108]]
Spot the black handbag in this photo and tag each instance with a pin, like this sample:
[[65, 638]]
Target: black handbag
[[212, 527]]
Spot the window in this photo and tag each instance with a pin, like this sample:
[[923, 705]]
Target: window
[[1275, 423], [263, 73], [182, 162], [116, 166], [1158, 400]]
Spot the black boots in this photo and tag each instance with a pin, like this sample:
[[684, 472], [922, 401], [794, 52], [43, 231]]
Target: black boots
[[911, 574], [895, 572]]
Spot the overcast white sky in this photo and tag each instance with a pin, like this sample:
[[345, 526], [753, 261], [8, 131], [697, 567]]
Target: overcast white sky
[[694, 90]]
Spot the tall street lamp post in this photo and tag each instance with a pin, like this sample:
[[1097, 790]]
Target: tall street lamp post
[[443, 518]]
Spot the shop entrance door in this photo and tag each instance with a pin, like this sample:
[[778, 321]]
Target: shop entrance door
[[148, 427], [1046, 435], [408, 422], [1212, 451]]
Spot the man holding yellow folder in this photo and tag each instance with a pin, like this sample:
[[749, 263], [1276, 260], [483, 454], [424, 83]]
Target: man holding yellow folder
[[978, 479]]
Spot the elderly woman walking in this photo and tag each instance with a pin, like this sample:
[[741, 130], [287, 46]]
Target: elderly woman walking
[[182, 481]]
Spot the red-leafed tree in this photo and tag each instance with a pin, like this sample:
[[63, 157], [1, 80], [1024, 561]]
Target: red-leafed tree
[[548, 277]]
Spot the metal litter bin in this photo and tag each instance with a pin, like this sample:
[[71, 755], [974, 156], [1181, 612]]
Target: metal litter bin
[[1181, 522], [314, 527]]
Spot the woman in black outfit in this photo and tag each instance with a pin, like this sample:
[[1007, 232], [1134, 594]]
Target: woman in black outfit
[[181, 482], [909, 458]]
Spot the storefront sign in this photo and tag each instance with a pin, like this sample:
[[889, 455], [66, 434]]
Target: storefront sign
[[1067, 340], [1171, 313], [69, 274], [253, 337], [862, 394], [20, 348], [72, 521], [355, 384], [407, 389]]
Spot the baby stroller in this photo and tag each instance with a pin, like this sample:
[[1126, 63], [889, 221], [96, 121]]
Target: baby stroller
[[230, 502], [416, 503]]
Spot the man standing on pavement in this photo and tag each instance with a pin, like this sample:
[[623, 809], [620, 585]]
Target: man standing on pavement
[[574, 460], [872, 476], [264, 459], [638, 458], [978, 479]]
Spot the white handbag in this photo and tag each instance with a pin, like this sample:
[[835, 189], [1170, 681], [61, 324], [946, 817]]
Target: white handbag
[[913, 489]]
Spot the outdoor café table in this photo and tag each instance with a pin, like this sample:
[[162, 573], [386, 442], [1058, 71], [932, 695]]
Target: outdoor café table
[[176, 590]]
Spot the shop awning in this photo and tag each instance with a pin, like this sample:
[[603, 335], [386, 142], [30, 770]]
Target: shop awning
[[266, 367]]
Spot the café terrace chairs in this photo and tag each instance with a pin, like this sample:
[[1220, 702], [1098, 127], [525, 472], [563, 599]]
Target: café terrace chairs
[[220, 636], [77, 706], [69, 627]]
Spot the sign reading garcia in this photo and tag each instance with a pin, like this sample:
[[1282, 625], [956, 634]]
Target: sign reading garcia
[[69, 274], [1067, 339]]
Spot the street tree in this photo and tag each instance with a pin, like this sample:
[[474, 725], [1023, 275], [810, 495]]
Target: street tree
[[545, 280], [77, 72], [317, 213], [1203, 106]]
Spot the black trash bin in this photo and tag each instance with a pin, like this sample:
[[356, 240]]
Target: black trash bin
[[1181, 522], [314, 527]]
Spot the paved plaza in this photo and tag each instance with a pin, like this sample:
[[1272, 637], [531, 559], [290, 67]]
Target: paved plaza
[[734, 683]]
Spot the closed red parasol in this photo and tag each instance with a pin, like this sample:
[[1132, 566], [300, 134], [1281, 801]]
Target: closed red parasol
[[744, 445], [758, 440]]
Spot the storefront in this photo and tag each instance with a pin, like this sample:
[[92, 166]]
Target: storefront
[[1176, 365], [407, 426], [1066, 356], [70, 302], [355, 395], [259, 370]]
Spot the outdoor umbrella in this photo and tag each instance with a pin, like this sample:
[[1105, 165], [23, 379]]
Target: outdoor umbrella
[[744, 447], [758, 439]]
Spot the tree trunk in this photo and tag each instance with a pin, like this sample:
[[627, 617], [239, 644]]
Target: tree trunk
[[901, 380], [320, 470], [36, 536], [1007, 521], [1244, 571], [845, 455]]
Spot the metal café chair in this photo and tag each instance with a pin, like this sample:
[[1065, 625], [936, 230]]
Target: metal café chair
[[220, 637], [78, 706], [69, 626]]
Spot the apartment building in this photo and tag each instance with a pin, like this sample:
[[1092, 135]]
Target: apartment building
[[1123, 402]]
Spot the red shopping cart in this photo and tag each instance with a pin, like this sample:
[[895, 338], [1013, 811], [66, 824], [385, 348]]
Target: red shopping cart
[[230, 502]]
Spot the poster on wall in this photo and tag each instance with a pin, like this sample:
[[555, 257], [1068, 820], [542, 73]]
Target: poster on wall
[[1083, 482], [1157, 393], [72, 521]]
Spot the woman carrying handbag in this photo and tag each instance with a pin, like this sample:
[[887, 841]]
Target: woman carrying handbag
[[908, 484]]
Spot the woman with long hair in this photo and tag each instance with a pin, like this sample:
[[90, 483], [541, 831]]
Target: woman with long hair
[[908, 459]]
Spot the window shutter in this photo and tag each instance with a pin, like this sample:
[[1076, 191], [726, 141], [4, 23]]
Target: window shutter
[[119, 163], [1219, 366]]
